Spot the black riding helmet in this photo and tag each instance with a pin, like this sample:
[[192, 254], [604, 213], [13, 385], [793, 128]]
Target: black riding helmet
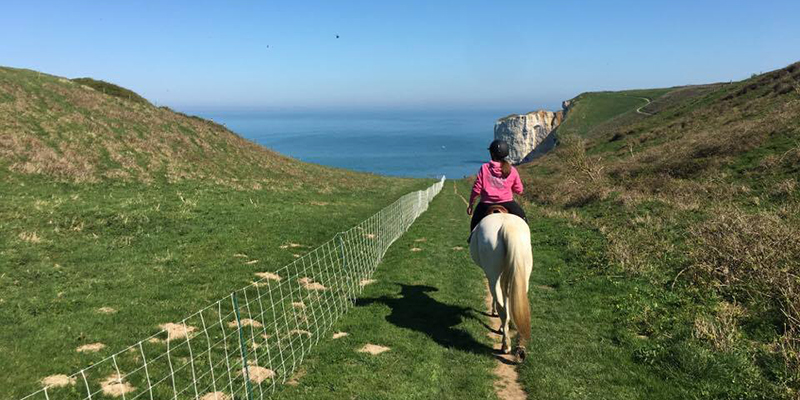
[[499, 149]]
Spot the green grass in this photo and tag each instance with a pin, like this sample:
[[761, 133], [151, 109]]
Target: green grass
[[576, 349], [427, 307], [111, 89], [591, 109], [697, 208], [155, 253]]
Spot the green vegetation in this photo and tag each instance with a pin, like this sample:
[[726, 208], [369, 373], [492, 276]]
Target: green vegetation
[[698, 209], [666, 246], [111, 89], [426, 306], [591, 109], [107, 203]]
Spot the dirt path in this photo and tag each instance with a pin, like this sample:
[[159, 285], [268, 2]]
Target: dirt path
[[507, 384], [639, 110]]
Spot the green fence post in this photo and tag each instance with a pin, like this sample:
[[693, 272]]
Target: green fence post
[[244, 348]]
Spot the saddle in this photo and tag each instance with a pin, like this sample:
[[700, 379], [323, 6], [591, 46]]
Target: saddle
[[495, 209]]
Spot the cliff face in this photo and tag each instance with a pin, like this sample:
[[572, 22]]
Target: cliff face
[[529, 135]]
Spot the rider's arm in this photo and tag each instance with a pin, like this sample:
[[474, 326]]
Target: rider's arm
[[477, 187], [516, 186]]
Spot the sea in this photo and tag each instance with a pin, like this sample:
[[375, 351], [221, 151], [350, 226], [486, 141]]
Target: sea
[[422, 144]]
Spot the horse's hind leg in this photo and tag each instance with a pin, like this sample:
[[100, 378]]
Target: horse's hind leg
[[505, 315]]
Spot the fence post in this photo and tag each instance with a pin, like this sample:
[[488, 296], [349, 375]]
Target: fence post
[[244, 348]]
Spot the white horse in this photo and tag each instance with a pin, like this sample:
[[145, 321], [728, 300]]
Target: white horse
[[501, 245]]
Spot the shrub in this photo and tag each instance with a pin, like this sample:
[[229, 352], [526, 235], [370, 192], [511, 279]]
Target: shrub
[[755, 258]]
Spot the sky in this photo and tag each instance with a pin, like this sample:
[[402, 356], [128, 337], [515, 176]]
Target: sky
[[415, 55]]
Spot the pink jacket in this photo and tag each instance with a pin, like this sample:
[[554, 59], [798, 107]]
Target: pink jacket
[[491, 185]]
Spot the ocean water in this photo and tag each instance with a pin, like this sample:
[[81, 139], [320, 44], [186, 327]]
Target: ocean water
[[411, 144]]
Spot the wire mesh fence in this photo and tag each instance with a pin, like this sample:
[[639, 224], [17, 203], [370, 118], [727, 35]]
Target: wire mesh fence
[[247, 344]]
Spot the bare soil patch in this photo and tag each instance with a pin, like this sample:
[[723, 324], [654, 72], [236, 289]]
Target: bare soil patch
[[58, 381], [298, 304], [309, 284], [337, 335], [291, 245], [295, 381], [268, 275], [215, 396], [366, 282], [177, 331], [373, 349], [507, 385], [245, 322], [415, 249], [259, 374], [421, 240], [251, 262], [106, 310], [300, 332], [91, 348], [458, 248], [115, 386]]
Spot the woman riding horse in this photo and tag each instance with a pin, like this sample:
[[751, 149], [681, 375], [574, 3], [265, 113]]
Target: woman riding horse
[[496, 184]]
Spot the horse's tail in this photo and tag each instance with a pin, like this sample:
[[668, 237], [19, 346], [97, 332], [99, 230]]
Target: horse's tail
[[514, 281]]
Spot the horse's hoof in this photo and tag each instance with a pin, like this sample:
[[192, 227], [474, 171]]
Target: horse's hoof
[[521, 354]]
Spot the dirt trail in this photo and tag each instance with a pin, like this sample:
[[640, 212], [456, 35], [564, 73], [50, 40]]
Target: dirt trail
[[639, 110], [507, 384]]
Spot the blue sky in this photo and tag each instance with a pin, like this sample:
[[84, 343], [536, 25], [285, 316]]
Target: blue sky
[[396, 54]]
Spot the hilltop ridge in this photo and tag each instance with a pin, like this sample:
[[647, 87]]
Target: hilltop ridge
[[85, 130]]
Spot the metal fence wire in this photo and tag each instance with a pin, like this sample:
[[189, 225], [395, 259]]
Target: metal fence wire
[[246, 345]]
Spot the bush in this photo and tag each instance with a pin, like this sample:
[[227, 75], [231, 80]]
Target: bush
[[755, 258]]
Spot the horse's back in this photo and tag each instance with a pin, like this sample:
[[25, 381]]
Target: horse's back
[[487, 247]]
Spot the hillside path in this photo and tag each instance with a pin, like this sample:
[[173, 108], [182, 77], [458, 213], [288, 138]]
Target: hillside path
[[639, 110]]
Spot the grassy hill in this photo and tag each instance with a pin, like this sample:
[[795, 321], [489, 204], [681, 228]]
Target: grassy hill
[[693, 210], [109, 203]]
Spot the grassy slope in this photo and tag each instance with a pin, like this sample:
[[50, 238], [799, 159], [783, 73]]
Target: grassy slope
[[426, 306], [152, 240], [696, 211], [590, 109]]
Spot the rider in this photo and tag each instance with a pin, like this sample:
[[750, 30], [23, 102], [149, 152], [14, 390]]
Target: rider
[[496, 183]]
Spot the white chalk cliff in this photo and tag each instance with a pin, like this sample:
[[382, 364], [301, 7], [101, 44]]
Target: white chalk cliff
[[529, 135]]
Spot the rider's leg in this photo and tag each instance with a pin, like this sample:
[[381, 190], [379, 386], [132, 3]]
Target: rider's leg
[[477, 215], [515, 209]]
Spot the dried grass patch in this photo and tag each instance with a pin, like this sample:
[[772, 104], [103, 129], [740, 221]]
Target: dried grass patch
[[115, 386], [58, 381], [309, 284], [30, 237], [91, 348], [268, 275], [245, 322], [215, 396], [177, 331], [373, 349]]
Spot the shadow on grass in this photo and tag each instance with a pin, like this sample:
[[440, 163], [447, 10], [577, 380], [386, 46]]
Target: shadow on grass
[[417, 310]]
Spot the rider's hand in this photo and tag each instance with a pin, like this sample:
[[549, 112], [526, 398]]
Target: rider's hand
[[469, 209]]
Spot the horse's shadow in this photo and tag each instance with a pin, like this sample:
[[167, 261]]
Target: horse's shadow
[[416, 310]]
